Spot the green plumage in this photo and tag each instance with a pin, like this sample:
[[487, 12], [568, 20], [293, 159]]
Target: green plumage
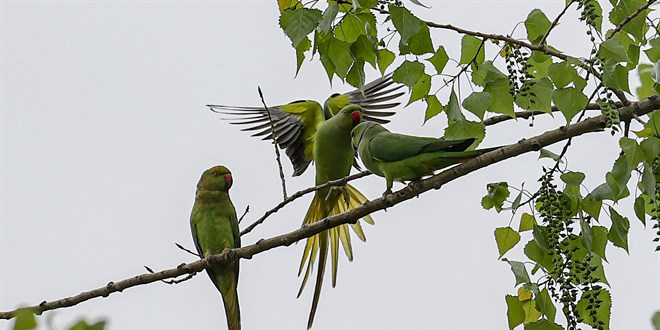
[[214, 228], [398, 157]]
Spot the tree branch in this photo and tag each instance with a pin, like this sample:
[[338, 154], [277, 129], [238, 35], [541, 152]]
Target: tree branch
[[526, 114], [555, 22], [414, 189]]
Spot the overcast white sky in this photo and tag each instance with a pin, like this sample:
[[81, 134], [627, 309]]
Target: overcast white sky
[[105, 134]]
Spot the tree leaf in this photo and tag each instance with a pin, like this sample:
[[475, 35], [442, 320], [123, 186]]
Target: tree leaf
[[408, 73], [591, 205], [472, 49], [418, 44], [487, 72], [653, 53], [612, 49], [519, 271], [506, 238], [24, 320], [421, 88], [623, 9], [586, 234], [465, 129], [646, 79], [527, 222], [562, 73], [385, 59], [545, 305], [570, 101], [535, 95], [439, 59], [325, 25], [602, 312], [599, 241], [615, 75], [537, 25], [340, 55], [302, 47], [618, 233], [640, 206], [298, 23], [543, 324], [405, 22], [502, 100], [515, 313], [355, 75], [618, 178], [545, 153], [365, 49], [433, 107], [453, 108], [477, 103], [497, 194], [633, 152], [538, 254]]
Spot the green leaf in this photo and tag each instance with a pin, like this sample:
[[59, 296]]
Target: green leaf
[[472, 49], [572, 178], [600, 193], [515, 312], [355, 76], [421, 88], [385, 59], [365, 49], [328, 17], [418, 44], [353, 26], [615, 75], [527, 222], [633, 151], [587, 235], [653, 53], [536, 253], [408, 73], [477, 103], [612, 49], [24, 320], [640, 206], [328, 66], [453, 108], [497, 194], [645, 77], [439, 59], [535, 95], [651, 146], [302, 47], [340, 55], [543, 324], [591, 205], [298, 23], [537, 25], [618, 178], [538, 65], [465, 129], [519, 271], [618, 233], [570, 101], [502, 99], [506, 238], [405, 22], [433, 107], [545, 305], [486, 73], [652, 126], [648, 181], [562, 73], [599, 241], [623, 9], [367, 3], [602, 312], [82, 325], [545, 153]]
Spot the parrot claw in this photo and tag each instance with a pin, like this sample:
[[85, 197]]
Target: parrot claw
[[387, 192]]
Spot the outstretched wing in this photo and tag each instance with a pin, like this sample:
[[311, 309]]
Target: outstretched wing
[[293, 127], [373, 99]]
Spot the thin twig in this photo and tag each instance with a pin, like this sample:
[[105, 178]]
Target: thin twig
[[172, 281], [339, 182], [184, 249], [277, 150], [631, 17], [247, 209], [555, 22], [526, 114], [593, 124]]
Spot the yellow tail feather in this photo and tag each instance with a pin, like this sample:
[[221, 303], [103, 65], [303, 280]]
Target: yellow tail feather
[[318, 244]]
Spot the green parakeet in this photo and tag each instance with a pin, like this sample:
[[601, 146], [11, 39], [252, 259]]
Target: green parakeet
[[296, 123], [398, 157], [334, 157], [214, 228]]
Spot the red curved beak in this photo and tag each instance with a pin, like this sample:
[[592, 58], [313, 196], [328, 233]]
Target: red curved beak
[[228, 180], [357, 117]]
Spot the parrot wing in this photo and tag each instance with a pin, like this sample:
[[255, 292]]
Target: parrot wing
[[371, 99], [293, 127], [392, 147]]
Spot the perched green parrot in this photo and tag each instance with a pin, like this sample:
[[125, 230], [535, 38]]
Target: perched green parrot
[[214, 228], [296, 123], [398, 157], [334, 158]]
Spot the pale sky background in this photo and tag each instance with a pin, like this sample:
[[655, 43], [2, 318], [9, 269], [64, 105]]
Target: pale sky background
[[105, 134]]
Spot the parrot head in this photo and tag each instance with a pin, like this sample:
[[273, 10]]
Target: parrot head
[[216, 178], [358, 132], [334, 104], [348, 117]]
